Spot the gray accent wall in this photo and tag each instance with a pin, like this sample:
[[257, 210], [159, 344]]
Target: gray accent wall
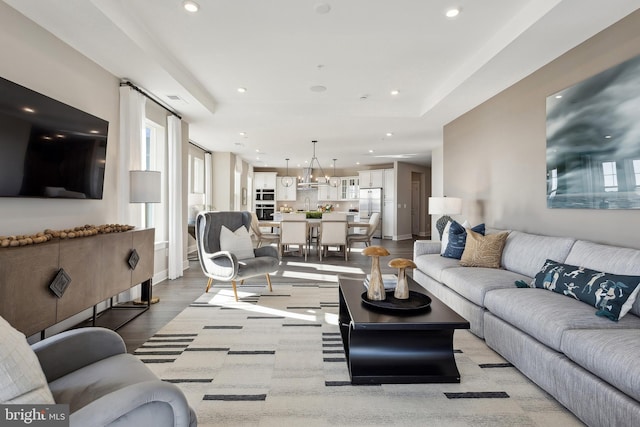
[[494, 155]]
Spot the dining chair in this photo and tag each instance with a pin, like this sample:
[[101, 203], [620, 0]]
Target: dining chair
[[374, 222], [228, 255], [334, 216], [294, 231], [260, 235], [332, 233]]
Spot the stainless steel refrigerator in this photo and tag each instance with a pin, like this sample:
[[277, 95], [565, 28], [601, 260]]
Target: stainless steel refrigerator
[[370, 202]]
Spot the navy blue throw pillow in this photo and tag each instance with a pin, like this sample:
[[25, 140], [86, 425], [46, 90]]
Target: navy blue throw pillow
[[612, 294], [458, 238]]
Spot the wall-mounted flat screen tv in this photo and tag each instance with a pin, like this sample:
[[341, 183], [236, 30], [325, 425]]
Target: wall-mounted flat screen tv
[[49, 149]]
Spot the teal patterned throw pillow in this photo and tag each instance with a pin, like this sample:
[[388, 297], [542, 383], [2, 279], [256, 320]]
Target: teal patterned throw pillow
[[612, 294]]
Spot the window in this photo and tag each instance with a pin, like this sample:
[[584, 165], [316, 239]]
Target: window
[[610, 176], [636, 172], [153, 158]]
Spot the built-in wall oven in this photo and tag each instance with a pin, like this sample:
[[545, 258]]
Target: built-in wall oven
[[265, 211]]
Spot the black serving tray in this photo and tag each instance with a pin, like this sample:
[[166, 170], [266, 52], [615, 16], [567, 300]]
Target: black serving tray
[[416, 302]]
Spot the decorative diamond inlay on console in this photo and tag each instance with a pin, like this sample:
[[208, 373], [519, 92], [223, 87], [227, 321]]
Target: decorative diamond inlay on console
[[60, 283], [133, 259]]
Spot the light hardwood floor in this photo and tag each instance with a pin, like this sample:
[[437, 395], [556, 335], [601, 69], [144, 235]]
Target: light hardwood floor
[[176, 295]]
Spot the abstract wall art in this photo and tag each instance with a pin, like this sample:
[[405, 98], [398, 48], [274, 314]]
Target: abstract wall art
[[593, 141]]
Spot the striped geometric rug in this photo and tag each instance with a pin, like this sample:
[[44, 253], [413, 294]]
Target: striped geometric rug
[[276, 359]]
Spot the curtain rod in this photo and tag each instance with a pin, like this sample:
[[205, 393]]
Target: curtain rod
[[137, 89], [200, 147]]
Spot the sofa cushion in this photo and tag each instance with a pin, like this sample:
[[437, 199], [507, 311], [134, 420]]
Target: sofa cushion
[[458, 238], [433, 265], [611, 294], [612, 355], [547, 315], [474, 283], [237, 242], [483, 251], [83, 386], [21, 378], [613, 259], [524, 253]]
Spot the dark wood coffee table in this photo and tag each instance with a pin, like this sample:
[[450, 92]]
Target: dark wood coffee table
[[390, 347]]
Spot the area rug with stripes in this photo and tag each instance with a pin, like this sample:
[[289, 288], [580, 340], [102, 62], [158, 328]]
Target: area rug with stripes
[[276, 359]]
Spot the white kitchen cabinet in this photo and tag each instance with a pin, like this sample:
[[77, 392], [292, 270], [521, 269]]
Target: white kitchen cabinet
[[327, 193], [349, 188], [389, 187], [284, 193], [388, 219], [264, 180], [371, 178]]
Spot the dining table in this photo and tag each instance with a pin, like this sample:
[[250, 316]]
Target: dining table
[[313, 225]]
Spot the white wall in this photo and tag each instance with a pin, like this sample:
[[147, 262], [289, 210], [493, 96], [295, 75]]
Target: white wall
[[495, 155], [33, 58]]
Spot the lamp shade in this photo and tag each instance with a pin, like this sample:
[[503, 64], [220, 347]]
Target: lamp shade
[[445, 205], [145, 187]]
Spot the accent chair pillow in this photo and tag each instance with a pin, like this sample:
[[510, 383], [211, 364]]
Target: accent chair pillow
[[612, 294], [483, 251], [21, 378], [237, 242], [458, 239]]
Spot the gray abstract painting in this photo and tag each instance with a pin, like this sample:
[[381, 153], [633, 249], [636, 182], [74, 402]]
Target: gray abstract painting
[[593, 141]]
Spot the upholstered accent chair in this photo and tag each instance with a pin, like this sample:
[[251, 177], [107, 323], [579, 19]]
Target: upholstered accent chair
[[374, 222], [228, 264]]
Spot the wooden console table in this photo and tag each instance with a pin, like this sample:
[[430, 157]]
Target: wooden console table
[[98, 267]]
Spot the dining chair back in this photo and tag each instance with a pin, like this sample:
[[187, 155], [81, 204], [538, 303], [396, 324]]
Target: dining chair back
[[374, 222], [333, 233], [261, 236], [294, 231]]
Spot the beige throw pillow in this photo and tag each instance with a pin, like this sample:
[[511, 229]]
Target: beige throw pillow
[[21, 378], [237, 242], [483, 251]]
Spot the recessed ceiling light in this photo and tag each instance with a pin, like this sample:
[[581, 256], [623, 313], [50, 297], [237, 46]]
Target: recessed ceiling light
[[242, 133], [364, 97], [28, 110], [242, 89], [558, 96], [322, 8], [371, 151], [191, 6], [389, 134], [395, 92], [93, 131], [608, 136], [357, 163], [452, 13], [318, 88]]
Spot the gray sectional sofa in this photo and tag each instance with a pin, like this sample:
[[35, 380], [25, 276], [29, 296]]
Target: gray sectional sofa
[[590, 364]]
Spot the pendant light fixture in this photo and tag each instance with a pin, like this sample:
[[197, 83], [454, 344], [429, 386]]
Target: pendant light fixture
[[286, 180], [307, 175], [334, 181]]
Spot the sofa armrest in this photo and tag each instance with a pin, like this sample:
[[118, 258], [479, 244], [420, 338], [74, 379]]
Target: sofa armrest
[[425, 247], [71, 350], [156, 403]]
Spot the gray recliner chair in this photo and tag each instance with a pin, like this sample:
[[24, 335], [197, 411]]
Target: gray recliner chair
[[224, 265]]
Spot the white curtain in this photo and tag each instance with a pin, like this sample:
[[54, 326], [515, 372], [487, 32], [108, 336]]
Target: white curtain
[[208, 190], [236, 184], [132, 114], [174, 143]]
